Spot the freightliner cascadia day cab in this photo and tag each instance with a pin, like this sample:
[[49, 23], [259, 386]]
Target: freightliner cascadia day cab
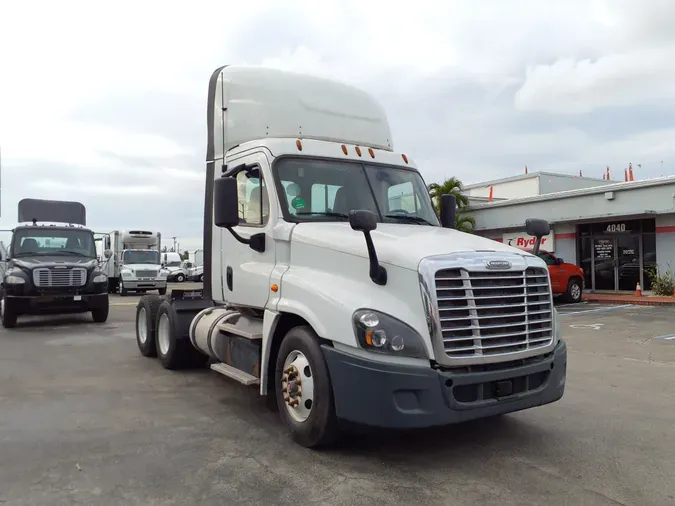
[[135, 263], [52, 266], [332, 285]]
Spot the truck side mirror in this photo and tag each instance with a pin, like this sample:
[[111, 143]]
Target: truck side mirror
[[225, 207], [365, 221], [448, 211], [107, 254], [537, 228], [362, 220]]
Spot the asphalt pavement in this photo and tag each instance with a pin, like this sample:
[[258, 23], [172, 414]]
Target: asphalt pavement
[[86, 420]]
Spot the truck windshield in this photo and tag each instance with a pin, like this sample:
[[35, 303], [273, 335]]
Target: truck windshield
[[32, 241], [140, 257], [319, 190]]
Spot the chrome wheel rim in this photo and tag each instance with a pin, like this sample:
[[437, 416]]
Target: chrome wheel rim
[[163, 332], [576, 291], [297, 386], [142, 326]]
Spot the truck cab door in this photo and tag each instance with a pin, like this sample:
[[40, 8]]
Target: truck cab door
[[244, 272]]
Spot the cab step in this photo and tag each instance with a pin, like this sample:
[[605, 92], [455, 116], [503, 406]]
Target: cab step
[[231, 372], [248, 328]]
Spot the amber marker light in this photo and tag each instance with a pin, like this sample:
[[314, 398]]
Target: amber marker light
[[405, 158], [358, 150], [344, 149], [369, 337], [274, 288], [298, 145], [372, 153]]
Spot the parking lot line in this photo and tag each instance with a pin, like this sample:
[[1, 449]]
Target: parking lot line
[[123, 303], [667, 337], [599, 310]]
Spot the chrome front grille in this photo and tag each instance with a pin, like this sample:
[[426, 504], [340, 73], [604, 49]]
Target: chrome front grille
[[50, 277], [146, 274], [487, 313]]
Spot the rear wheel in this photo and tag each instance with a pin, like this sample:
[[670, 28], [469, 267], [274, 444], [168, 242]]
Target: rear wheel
[[303, 389], [201, 278], [146, 314], [174, 353], [574, 290]]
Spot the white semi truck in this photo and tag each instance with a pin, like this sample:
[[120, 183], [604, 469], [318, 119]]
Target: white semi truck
[[135, 263], [334, 296]]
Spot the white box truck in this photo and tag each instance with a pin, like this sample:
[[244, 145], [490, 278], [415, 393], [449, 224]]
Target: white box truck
[[336, 298], [135, 262]]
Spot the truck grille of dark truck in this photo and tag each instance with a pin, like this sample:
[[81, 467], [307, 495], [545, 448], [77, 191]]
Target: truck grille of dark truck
[[54, 278], [493, 313]]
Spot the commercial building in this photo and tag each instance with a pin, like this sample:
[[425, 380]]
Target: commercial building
[[615, 231]]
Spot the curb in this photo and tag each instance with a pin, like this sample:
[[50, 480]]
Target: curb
[[637, 301]]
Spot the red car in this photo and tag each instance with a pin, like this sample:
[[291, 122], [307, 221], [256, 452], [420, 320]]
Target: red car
[[566, 279]]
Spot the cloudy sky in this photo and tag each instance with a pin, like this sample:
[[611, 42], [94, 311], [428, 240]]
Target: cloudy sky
[[104, 103]]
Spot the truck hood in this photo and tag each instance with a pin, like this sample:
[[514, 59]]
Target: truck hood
[[396, 244], [53, 261]]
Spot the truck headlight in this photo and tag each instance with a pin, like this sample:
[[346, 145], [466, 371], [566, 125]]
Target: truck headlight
[[127, 273], [382, 333], [100, 278], [14, 280]]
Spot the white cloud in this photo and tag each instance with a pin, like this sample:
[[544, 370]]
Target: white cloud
[[574, 87]]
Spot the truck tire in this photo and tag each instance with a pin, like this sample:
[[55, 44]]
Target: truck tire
[[201, 278], [7, 313], [574, 290], [123, 291], [311, 421], [100, 314], [174, 353], [180, 278], [146, 316]]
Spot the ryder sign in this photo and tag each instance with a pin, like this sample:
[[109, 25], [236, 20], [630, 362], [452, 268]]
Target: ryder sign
[[523, 241]]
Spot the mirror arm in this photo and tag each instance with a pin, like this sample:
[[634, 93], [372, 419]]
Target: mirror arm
[[378, 274]]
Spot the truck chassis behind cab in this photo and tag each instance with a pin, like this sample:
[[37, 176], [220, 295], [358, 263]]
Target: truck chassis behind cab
[[331, 284]]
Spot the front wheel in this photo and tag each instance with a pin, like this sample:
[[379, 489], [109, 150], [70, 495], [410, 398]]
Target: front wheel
[[180, 278], [123, 291], [7, 314], [100, 314], [201, 278], [303, 389], [574, 290]]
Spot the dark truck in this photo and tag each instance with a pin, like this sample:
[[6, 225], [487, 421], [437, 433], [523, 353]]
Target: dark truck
[[52, 266]]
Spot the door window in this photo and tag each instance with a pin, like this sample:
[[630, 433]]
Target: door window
[[253, 201]]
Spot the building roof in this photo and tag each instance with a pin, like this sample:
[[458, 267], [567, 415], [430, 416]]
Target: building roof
[[633, 198], [530, 175]]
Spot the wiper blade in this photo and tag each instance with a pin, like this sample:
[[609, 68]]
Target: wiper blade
[[325, 213], [68, 252], [408, 217]]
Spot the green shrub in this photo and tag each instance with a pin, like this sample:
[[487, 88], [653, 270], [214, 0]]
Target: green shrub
[[662, 283]]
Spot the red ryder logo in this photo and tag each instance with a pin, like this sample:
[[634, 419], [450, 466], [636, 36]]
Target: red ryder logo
[[523, 241]]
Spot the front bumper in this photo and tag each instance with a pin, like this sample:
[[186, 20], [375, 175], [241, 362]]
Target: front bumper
[[137, 284], [55, 304], [395, 396]]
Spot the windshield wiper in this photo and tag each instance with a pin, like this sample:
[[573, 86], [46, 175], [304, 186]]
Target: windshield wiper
[[325, 213], [409, 217], [68, 252]]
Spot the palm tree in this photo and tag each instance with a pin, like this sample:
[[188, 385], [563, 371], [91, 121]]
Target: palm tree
[[453, 186], [450, 186]]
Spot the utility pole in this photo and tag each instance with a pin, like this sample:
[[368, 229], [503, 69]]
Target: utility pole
[[174, 242]]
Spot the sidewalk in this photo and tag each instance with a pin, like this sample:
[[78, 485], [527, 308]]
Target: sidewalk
[[620, 298]]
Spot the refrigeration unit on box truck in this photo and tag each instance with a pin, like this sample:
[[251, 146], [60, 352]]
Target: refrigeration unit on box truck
[[335, 297]]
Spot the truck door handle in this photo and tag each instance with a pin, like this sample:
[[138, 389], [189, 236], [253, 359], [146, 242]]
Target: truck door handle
[[229, 275]]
